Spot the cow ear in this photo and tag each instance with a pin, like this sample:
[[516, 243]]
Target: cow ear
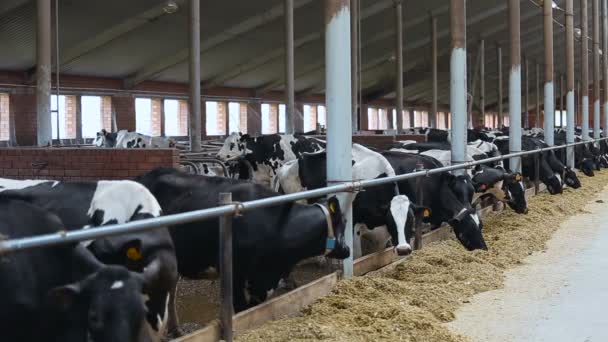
[[333, 205], [63, 298], [104, 132]]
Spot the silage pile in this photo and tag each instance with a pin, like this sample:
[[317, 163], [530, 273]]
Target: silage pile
[[410, 302]]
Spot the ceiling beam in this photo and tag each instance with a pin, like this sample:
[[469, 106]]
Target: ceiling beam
[[207, 43], [100, 39]]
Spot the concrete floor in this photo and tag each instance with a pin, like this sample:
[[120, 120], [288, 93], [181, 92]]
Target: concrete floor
[[557, 295]]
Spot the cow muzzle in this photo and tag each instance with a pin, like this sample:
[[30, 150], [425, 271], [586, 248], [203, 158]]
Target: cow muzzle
[[403, 250]]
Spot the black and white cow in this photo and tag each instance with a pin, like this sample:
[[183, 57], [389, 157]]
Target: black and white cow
[[62, 293], [449, 197], [267, 153], [584, 159], [267, 242], [374, 207], [568, 175], [84, 204], [126, 139]]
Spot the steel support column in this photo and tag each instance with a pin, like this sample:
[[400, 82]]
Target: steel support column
[[195, 76], [570, 108], [43, 73], [515, 84], [399, 63], [585, 70], [596, 69], [526, 111], [354, 66], [338, 98], [537, 114], [290, 97], [605, 59], [458, 80], [549, 86], [561, 101], [499, 88], [482, 85], [433, 122]]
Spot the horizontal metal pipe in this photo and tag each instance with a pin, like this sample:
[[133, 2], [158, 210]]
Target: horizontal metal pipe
[[9, 246]]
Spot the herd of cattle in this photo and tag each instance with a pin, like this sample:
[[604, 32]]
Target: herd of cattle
[[123, 288]]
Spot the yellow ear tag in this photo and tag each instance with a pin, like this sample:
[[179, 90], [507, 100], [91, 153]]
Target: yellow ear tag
[[518, 177], [133, 254], [332, 207], [426, 213]]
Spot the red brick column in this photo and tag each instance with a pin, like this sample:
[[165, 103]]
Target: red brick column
[[71, 106], [4, 118], [364, 122], [273, 117], [155, 118], [182, 117], [222, 118], [106, 113], [124, 106], [254, 118], [373, 120], [312, 120], [23, 111], [243, 117]]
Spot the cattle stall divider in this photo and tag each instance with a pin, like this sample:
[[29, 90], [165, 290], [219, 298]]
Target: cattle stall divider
[[228, 209]]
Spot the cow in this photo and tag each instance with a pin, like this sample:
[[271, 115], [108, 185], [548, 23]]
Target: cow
[[546, 174], [63, 293], [584, 159], [568, 175], [126, 139], [81, 205], [267, 153], [376, 206], [267, 242], [448, 197]]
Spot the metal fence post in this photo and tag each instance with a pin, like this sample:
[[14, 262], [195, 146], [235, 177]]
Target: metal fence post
[[420, 200], [227, 308], [536, 173]]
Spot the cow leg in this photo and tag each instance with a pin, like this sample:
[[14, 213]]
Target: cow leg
[[173, 321]]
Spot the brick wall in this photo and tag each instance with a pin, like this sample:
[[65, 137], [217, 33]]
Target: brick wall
[[222, 117], [243, 117], [82, 164], [312, 119], [4, 118], [124, 106], [182, 119], [106, 113], [71, 102], [23, 110], [273, 117], [254, 118], [155, 117]]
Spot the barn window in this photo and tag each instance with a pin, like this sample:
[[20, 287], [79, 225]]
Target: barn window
[[282, 118], [322, 116], [234, 117], [211, 123], [405, 115], [143, 116], [560, 115], [4, 118], [270, 118], [92, 108], [58, 117], [171, 108]]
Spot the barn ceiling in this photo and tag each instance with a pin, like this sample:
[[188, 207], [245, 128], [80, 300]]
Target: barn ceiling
[[242, 42]]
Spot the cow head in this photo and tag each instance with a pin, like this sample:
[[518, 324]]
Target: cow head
[[554, 184], [234, 146], [403, 216], [340, 250], [514, 187], [571, 179], [587, 166], [106, 306], [105, 139]]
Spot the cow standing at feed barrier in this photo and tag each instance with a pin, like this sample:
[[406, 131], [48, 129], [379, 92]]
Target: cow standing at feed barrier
[[374, 207], [267, 242], [126, 139], [266, 154], [63, 293], [81, 205]]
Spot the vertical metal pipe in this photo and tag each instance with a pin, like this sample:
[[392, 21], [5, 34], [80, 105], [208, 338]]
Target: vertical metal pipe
[[57, 61], [499, 88], [43, 73], [338, 97], [419, 199], [605, 59], [482, 85], [561, 101], [227, 308], [537, 118], [195, 76], [434, 71], [596, 69], [290, 99], [474, 87], [570, 99], [458, 80], [585, 70], [526, 93], [549, 86], [399, 62], [515, 84], [79, 119], [354, 55]]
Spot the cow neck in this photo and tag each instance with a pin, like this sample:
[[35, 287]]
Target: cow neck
[[449, 201], [305, 230], [330, 241]]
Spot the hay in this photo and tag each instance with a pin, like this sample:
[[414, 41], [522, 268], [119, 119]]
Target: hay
[[410, 302]]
